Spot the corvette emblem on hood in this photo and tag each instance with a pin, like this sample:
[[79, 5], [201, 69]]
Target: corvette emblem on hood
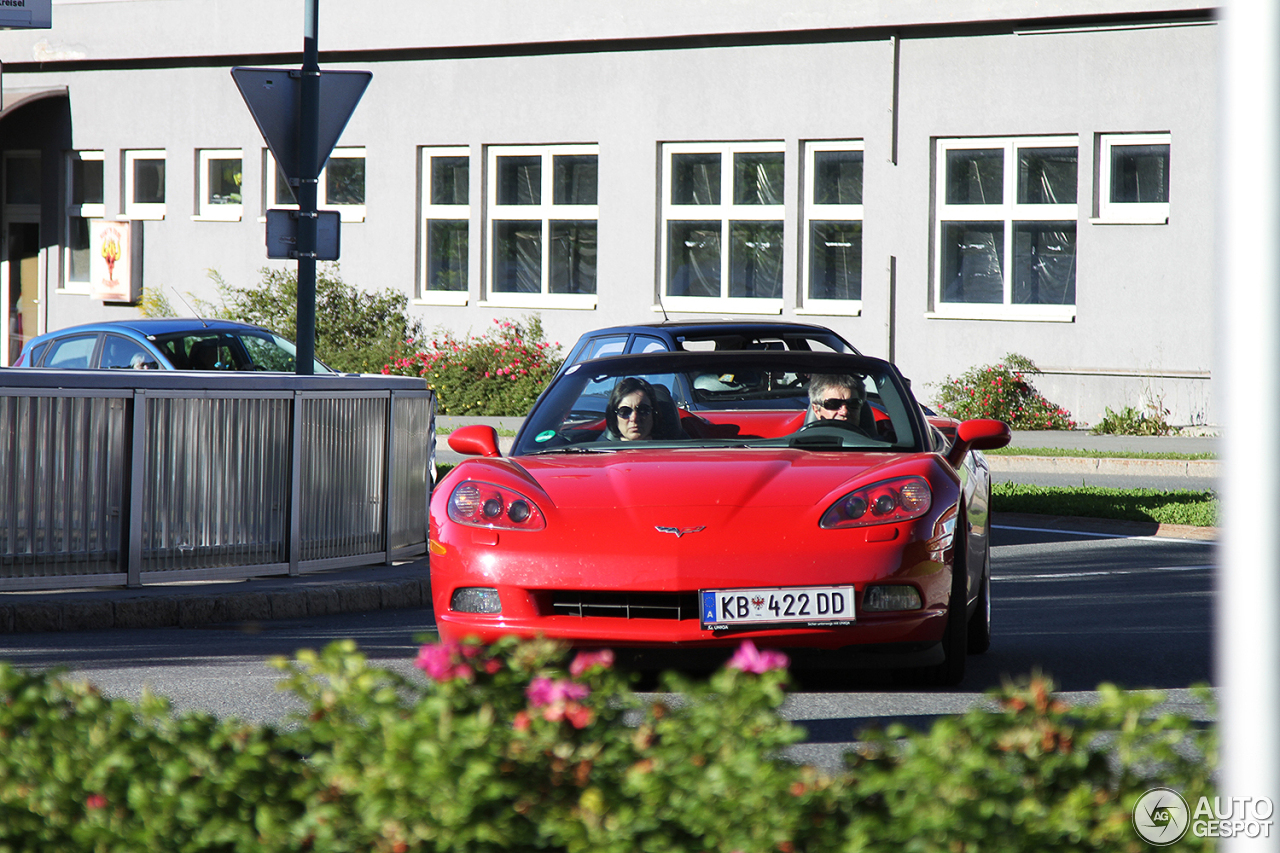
[[678, 531]]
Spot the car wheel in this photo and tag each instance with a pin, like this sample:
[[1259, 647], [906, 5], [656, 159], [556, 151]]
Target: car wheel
[[980, 621], [955, 638]]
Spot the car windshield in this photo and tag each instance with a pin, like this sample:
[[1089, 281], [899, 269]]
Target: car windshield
[[748, 399], [235, 349]]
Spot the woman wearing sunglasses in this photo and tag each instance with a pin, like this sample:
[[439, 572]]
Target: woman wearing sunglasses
[[631, 413]]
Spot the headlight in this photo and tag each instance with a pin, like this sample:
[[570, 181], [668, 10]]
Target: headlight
[[880, 503], [485, 505]]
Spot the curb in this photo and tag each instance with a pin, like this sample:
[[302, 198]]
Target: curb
[[1204, 468], [359, 590], [1102, 526]]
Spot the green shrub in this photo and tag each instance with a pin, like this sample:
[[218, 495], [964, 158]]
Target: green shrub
[[498, 373], [519, 746], [1130, 421], [357, 331], [1195, 508], [79, 771], [1002, 391], [1035, 774]]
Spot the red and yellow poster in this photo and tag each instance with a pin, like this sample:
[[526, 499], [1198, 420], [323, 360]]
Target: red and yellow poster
[[111, 261]]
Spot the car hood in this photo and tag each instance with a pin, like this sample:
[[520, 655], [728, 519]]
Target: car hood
[[707, 478]]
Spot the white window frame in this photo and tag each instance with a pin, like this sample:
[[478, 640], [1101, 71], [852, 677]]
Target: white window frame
[[440, 211], [726, 211], [811, 211], [142, 210], [546, 212], [346, 212], [78, 211], [1119, 213], [207, 211], [1008, 211]]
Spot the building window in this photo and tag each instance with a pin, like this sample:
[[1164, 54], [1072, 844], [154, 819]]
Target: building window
[[722, 217], [1133, 178], [446, 225], [219, 184], [341, 185], [84, 183], [543, 213], [832, 227], [1005, 234], [143, 175]]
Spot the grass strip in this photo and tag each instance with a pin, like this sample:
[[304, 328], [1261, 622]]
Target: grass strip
[[1190, 507], [1077, 452], [503, 432]]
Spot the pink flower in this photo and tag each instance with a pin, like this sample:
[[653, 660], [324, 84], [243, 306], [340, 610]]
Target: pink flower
[[543, 691], [96, 801], [750, 659], [587, 660], [445, 661]]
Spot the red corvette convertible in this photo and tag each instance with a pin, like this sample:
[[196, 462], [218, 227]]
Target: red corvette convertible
[[803, 500]]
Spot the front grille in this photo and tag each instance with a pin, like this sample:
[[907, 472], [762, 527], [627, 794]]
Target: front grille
[[625, 605]]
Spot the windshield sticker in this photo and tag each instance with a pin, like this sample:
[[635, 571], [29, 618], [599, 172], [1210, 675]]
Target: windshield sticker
[[545, 435]]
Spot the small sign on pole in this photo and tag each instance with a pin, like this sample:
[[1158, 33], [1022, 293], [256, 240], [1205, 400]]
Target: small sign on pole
[[282, 235]]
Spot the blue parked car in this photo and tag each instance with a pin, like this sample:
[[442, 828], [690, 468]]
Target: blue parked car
[[163, 344]]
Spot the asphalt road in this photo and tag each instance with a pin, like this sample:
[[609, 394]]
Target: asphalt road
[[1083, 608]]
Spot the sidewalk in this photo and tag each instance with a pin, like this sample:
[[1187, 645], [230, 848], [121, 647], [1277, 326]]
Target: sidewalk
[[404, 585]]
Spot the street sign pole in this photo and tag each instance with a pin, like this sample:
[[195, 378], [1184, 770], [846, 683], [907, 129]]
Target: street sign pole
[[308, 135]]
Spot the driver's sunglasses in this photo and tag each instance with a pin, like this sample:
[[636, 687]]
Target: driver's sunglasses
[[835, 404], [643, 411]]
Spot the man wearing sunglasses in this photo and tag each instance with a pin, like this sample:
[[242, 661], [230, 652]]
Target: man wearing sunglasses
[[835, 397]]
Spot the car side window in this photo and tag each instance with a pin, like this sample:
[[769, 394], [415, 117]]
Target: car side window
[[644, 343], [71, 353], [600, 347], [123, 354]]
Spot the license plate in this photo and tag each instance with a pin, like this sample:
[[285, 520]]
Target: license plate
[[814, 606]]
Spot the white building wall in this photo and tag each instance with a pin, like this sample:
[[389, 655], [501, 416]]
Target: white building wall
[[1144, 292]]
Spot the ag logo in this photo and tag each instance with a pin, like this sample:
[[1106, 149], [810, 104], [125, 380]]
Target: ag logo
[[1161, 816]]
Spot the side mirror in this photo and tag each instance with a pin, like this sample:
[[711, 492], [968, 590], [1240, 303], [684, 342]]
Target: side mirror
[[980, 434], [475, 440]]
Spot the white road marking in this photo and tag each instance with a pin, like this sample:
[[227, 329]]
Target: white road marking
[[1101, 574]]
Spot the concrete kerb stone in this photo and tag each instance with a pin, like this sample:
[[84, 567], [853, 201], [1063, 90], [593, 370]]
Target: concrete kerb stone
[[1104, 466], [361, 589]]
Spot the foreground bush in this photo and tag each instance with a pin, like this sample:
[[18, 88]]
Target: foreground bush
[[498, 373], [1002, 391], [521, 747]]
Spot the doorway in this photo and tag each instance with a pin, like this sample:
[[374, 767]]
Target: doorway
[[21, 283]]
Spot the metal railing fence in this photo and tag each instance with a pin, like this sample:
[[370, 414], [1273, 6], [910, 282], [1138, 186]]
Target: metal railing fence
[[111, 478]]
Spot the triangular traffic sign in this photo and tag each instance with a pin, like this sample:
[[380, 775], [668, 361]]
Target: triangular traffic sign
[[274, 96]]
